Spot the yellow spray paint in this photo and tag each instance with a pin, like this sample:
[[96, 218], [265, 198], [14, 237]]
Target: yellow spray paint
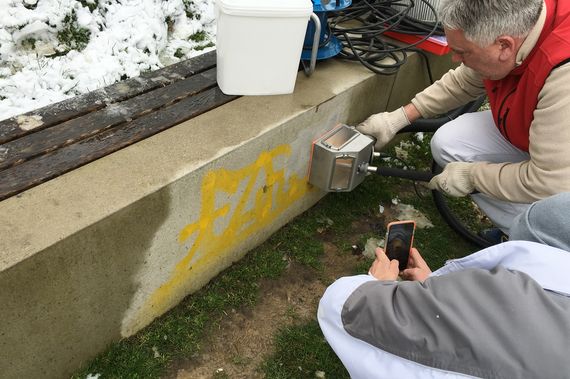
[[256, 209]]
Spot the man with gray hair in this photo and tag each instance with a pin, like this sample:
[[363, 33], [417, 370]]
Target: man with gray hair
[[518, 53]]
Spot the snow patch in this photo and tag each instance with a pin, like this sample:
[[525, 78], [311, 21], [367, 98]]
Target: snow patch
[[408, 212], [29, 122], [370, 247], [125, 40]]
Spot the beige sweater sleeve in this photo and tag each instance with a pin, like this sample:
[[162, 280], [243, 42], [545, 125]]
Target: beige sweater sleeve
[[548, 170], [457, 87]]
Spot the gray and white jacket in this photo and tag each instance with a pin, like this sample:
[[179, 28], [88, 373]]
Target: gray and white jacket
[[503, 312]]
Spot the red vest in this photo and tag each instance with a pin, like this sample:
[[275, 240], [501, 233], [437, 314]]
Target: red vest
[[513, 99]]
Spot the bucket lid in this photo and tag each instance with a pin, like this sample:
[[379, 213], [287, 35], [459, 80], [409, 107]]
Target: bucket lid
[[266, 8]]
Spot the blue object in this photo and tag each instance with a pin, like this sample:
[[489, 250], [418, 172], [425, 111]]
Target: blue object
[[494, 236], [329, 45]]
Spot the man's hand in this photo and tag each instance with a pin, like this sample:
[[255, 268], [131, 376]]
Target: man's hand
[[455, 180], [384, 126], [382, 268], [417, 267]]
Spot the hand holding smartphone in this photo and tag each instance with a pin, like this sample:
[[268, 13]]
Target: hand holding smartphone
[[399, 240]]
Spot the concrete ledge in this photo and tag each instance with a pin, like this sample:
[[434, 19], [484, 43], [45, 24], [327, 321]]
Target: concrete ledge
[[97, 254]]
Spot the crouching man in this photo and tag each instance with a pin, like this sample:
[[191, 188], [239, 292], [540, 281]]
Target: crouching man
[[503, 312]]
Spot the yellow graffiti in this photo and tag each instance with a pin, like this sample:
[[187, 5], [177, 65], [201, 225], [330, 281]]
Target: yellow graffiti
[[256, 208]]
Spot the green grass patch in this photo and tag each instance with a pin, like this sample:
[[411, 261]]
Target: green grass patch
[[29, 43], [179, 53], [202, 47], [201, 37], [198, 36], [89, 4], [72, 35], [189, 9], [301, 351]]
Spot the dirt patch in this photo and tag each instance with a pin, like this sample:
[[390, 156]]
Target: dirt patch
[[245, 337]]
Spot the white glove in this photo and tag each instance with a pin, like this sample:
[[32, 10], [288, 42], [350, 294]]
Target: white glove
[[384, 126], [455, 180]]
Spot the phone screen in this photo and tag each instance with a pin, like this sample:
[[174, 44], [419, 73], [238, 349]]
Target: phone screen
[[399, 242]]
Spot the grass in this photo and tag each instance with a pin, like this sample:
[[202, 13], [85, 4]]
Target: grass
[[300, 350], [202, 47], [199, 36], [179, 53], [91, 5], [72, 35], [190, 10], [28, 43]]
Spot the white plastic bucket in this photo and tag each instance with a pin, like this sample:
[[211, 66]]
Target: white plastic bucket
[[259, 45]]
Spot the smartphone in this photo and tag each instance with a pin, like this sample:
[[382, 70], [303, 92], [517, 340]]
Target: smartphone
[[399, 240]]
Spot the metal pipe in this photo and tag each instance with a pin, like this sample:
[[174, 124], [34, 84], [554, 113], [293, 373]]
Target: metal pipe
[[315, 49]]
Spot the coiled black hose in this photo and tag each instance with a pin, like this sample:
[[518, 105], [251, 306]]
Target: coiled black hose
[[361, 26], [430, 125]]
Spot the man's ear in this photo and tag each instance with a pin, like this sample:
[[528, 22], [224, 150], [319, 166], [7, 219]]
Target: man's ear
[[507, 47]]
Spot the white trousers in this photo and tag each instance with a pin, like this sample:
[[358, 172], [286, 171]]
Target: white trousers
[[473, 137]]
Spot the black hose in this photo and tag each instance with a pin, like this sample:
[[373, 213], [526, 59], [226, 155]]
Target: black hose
[[432, 124], [428, 125], [449, 217], [361, 26], [421, 176]]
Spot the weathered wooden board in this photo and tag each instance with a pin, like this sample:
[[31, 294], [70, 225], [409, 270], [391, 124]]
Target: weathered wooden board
[[74, 130], [78, 106], [51, 141], [18, 178]]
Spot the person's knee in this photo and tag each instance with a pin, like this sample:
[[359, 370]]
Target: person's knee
[[462, 139], [546, 221], [326, 303], [441, 143]]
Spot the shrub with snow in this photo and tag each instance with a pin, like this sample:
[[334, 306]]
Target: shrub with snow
[[51, 50]]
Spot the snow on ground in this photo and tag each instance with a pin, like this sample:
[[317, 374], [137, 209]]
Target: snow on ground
[[51, 50]]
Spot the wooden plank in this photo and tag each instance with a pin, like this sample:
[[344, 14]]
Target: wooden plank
[[185, 68], [43, 168], [18, 126], [69, 132], [42, 118]]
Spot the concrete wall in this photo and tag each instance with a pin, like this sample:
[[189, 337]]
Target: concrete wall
[[96, 254]]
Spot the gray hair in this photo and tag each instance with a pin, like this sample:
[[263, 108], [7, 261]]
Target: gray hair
[[483, 21]]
